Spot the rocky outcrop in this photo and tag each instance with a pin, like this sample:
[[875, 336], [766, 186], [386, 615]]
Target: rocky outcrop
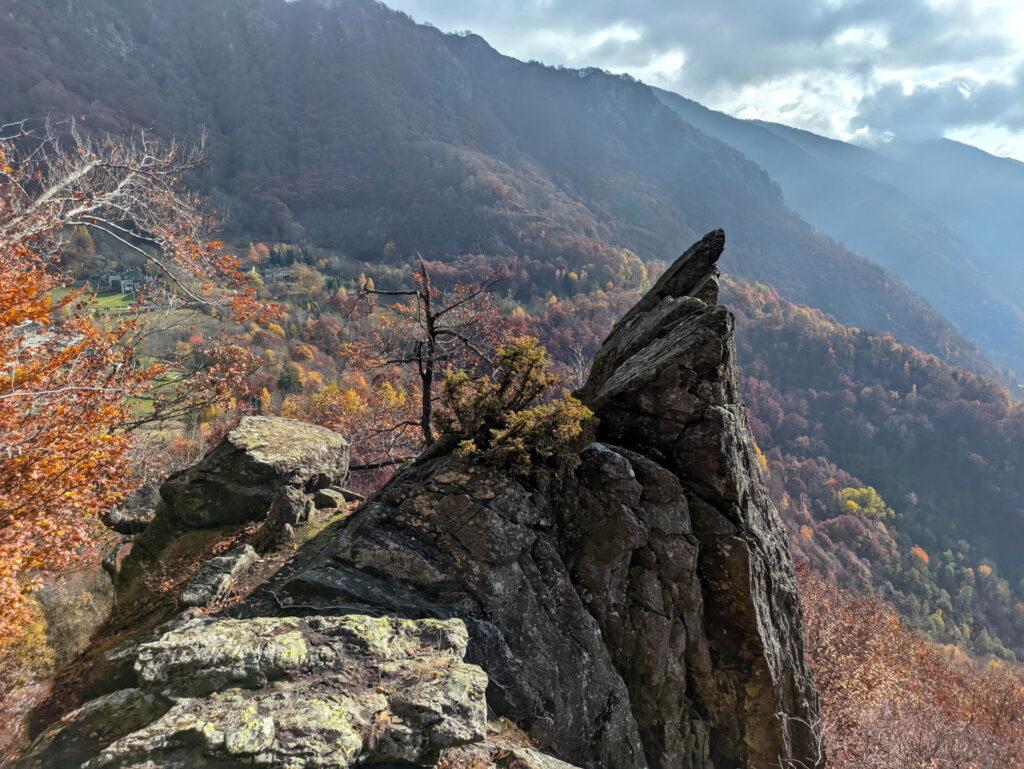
[[316, 692], [665, 384], [267, 469], [448, 538], [239, 480], [216, 577], [639, 610], [634, 608]]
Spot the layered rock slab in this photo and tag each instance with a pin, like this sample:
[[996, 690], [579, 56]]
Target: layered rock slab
[[316, 692], [665, 384], [214, 580], [268, 469]]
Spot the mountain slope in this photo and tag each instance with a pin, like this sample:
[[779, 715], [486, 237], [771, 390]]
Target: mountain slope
[[346, 124], [903, 213], [978, 195], [838, 409]]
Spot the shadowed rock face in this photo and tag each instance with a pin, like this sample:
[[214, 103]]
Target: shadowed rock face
[[266, 468], [665, 384], [238, 481], [316, 692], [637, 609]]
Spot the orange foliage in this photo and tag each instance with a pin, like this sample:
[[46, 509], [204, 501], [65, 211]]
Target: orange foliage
[[890, 699], [67, 379], [65, 391], [762, 458]]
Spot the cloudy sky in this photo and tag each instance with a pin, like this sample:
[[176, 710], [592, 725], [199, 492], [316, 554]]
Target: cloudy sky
[[851, 69]]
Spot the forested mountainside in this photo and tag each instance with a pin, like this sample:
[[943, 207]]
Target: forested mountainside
[[977, 195], [349, 138], [947, 218], [349, 126], [894, 470]]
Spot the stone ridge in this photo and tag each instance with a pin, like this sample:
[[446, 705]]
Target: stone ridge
[[639, 610], [664, 384], [634, 609], [316, 693]]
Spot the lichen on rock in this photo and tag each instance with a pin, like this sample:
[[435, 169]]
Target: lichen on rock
[[216, 577], [323, 692], [267, 470], [636, 607]]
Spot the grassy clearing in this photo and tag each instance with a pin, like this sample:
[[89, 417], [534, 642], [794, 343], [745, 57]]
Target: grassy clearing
[[113, 301], [105, 301]]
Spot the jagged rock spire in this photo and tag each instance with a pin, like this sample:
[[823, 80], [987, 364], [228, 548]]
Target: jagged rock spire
[[664, 384]]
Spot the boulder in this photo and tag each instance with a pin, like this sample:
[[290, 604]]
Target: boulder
[[323, 692], [265, 470], [330, 498], [239, 479]]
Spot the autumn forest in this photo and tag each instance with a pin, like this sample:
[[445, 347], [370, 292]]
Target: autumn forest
[[327, 212]]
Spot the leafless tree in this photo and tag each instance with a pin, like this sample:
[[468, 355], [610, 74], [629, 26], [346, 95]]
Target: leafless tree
[[579, 366], [430, 330], [128, 188], [817, 730]]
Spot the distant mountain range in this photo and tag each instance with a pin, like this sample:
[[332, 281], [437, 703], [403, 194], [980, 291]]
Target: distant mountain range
[[945, 217], [348, 125]]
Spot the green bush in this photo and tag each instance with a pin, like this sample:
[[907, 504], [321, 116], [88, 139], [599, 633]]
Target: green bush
[[864, 500], [502, 417]]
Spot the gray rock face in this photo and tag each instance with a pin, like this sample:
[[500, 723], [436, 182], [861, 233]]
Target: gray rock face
[[632, 556], [214, 580], [266, 468], [447, 538], [665, 384], [637, 609], [238, 480], [323, 692]]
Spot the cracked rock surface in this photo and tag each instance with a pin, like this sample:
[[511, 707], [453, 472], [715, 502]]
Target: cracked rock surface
[[640, 610], [266, 468], [318, 692], [216, 577], [635, 609]]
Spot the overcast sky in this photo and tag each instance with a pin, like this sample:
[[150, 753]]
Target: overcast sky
[[851, 69]]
